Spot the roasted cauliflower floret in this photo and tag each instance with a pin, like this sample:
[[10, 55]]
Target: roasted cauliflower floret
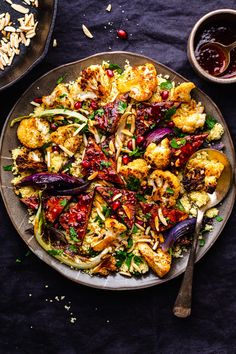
[[25, 159], [139, 81], [33, 132], [216, 132], [59, 96], [181, 93], [113, 229], [202, 173], [65, 136], [57, 160], [158, 155], [166, 187], [137, 168], [159, 261], [189, 117], [199, 198], [95, 79]]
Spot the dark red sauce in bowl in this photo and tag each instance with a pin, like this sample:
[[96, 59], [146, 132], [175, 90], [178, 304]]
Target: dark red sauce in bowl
[[212, 59]]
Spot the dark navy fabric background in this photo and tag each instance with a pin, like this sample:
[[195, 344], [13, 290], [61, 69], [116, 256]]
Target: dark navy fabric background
[[32, 320]]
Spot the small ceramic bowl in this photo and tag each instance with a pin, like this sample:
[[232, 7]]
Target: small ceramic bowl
[[222, 15]]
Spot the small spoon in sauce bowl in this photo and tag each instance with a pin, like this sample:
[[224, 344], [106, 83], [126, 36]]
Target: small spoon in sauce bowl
[[214, 57], [182, 306]]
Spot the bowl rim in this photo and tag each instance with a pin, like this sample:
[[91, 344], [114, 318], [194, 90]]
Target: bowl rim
[[190, 48]]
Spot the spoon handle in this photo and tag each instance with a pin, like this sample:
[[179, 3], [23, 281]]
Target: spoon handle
[[182, 306], [231, 46]]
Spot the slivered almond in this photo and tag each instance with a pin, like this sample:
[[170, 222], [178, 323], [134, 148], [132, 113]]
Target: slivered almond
[[20, 8], [140, 227], [100, 214], [108, 8], [79, 129], [93, 175], [161, 217], [156, 220], [68, 152], [87, 32], [117, 197]]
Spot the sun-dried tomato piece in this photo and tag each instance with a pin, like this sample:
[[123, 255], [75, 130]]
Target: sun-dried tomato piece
[[95, 160], [181, 155], [124, 206], [53, 206], [171, 216], [75, 219]]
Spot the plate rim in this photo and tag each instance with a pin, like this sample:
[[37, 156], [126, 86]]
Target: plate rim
[[45, 50], [54, 266]]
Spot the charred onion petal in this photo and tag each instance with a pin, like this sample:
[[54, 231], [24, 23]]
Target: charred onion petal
[[181, 229], [70, 191], [57, 234], [157, 135], [51, 179], [72, 261], [217, 145]]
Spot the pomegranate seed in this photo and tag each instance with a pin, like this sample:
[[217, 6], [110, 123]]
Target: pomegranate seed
[[122, 34], [130, 145], [94, 105], [116, 205], [165, 94], [85, 164], [125, 159], [139, 222], [140, 140], [171, 124], [110, 73], [55, 148], [53, 126], [38, 100], [79, 217], [78, 105]]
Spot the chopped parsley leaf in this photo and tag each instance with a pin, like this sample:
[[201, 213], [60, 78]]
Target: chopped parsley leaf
[[202, 242], [169, 113], [116, 67], [63, 202], [136, 152], [219, 218], [55, 252], [148, 215], [62, 96], [7, 168], [106, 211], [60, 79], [138, 260], [104, 164], [133, 183], [176, 144], [169, 190], [130, 243], [73, 235], [135, 229], [99, 112], [167, 85], [120, 258], [170, 251], [179, 205], [140, 197], [73, 248], [18, 260], [105, 151], [128, 260], [210, 121], [122, 107]]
